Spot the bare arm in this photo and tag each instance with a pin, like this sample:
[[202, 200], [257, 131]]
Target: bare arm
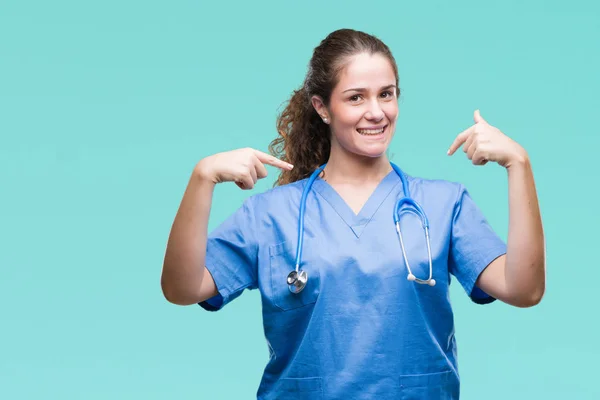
[[185, 280], [519, 277]]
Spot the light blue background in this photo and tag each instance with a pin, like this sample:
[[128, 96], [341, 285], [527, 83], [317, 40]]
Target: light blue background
[[105, 107]]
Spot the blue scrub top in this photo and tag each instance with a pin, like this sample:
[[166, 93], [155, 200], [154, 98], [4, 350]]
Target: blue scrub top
[[359, 329]]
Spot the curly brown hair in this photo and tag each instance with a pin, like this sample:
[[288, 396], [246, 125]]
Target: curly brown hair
[[304, 139]]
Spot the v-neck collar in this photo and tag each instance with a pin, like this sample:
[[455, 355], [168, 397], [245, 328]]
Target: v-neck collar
[[358, 222]]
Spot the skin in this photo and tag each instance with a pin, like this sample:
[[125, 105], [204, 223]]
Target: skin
[[365, 96], [519, 277], [182, 281]]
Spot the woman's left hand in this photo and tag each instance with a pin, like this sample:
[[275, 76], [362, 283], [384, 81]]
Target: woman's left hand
[[483, 142]]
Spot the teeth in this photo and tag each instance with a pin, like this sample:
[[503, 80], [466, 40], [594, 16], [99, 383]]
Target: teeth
[[370, 131]]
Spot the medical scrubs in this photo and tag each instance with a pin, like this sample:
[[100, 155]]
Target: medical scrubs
[[360, 329]]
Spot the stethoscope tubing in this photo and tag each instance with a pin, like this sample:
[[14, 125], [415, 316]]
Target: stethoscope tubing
[[298, 278]]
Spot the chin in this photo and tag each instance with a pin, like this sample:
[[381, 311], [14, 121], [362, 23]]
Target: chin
[[372, 149], [371, 152]]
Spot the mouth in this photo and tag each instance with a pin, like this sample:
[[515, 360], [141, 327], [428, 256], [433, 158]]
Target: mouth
[[372, 131]]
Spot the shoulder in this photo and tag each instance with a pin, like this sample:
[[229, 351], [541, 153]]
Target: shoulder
[[278, 195], [440, 189]]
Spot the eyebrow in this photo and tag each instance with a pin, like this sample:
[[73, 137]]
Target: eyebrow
[[364, 90]]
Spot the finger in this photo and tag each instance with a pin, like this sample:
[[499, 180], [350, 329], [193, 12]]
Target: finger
[[479, 158], [460, 139], [471, 150], [253, 174], [269, 159], [261, 171], [245, 182], [244, 186], [469, 143], [477, 117]]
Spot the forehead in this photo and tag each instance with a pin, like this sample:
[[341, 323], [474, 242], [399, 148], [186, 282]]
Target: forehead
[[371, 71]]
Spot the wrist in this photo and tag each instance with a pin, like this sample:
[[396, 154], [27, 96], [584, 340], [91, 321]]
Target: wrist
[[203, 173], [518, 160]]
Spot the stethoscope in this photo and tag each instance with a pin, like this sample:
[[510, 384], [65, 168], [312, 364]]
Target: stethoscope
[[298, 278]]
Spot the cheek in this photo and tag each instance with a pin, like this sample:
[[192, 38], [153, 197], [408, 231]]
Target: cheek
[[391, 110], [349, 116]]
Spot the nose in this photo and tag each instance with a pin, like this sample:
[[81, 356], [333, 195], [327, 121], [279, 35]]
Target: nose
[[374, 112]]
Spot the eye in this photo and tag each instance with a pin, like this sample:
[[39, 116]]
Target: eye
[[387, 94], [354, 98]]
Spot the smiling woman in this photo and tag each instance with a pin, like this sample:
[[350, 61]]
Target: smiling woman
[[347, 107], [364, 101], [346, 322]]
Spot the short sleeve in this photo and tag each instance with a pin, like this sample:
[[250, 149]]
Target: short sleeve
[[474, 245], [231, 257]]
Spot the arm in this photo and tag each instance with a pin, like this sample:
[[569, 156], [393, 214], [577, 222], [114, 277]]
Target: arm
[[519, 277], [185, 280]]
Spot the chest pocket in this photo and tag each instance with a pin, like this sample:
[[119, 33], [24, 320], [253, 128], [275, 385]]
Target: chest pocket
[[282, 262]]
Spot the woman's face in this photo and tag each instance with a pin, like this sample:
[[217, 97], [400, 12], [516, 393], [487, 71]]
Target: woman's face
[[363, 108]]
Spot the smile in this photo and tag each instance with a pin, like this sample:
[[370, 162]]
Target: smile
[[371, 131]]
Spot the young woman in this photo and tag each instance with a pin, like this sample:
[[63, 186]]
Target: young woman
[[355, 305]]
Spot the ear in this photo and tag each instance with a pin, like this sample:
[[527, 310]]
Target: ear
[[319, 106]]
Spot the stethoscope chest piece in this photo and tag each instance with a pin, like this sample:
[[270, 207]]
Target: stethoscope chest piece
[[296, 281]]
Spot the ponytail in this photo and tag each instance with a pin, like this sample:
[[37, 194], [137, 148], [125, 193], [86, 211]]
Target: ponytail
[[304, 139]]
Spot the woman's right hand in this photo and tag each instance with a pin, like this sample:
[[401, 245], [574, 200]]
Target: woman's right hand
[[242, 166]]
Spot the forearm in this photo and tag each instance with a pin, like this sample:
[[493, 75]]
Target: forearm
[[183, 268], [525, 257]]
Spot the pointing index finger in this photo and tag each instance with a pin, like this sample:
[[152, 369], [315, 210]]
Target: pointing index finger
[[460, 140], [270, 160]]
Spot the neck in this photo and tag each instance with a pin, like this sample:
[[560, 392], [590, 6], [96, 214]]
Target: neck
[[345, 168]]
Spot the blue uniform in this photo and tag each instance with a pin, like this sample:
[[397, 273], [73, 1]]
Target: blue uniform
[[360, 329]]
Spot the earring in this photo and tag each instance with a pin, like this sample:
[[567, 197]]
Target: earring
[[326, 120]]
